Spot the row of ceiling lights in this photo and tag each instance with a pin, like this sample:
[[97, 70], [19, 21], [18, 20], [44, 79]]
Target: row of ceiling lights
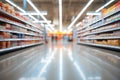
[[51, 27], [35, 8]]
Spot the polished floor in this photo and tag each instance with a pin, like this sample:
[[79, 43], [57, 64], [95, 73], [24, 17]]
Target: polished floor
[[60, 61]]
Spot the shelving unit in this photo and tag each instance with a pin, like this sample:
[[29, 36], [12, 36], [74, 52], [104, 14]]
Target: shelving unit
[[100, 45], [16, 18], [16, 33], [103, 32], [18, 47]]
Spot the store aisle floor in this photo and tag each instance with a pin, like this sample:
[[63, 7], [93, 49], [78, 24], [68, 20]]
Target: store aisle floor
[[60, 61]]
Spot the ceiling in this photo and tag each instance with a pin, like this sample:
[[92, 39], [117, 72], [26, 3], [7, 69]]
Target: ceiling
[[71, 8]]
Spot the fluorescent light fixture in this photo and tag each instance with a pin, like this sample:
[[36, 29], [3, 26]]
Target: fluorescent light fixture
[[104, 5], [93, 13], [49, 21], [46, 26], [42, 24], [49, 29], [80, 13], [35, 8], [60, 15], [33, 13], [16, 6], [13, 4], [33, 18], [78, 24]]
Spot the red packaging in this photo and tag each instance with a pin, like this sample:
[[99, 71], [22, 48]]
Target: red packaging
[[117, 5], [1, 4], [2, 45]]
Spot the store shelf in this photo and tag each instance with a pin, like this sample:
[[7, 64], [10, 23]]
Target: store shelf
[[100, 45], [100, 19], [19, 39], [103, 31], [114, 37], [105, 17], [18, 25], [112, 14], [10, 31], [104, 24], [6, 13], [19, 47], [79, 29]]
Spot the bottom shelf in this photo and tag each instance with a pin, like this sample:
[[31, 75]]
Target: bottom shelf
[[18, 47], [100, 45]]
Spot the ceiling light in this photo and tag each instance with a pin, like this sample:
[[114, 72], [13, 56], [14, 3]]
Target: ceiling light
[[13, 4], [104, 5], [49, 21], [93, 13], [80, 13], [60, 15], [47, 28], [33, 13], [78, 24], [33, 17], [35, 8]]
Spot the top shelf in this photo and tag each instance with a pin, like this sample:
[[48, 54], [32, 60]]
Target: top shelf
[[99, 20], [14, 17], [105, 17]]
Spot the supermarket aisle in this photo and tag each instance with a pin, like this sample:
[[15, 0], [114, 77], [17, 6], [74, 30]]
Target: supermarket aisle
[[60, 61]]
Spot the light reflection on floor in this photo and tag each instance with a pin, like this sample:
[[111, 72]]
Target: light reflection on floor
[[60, 60]]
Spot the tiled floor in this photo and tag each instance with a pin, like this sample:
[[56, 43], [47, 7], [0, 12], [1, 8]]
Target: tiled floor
[[60, 61]]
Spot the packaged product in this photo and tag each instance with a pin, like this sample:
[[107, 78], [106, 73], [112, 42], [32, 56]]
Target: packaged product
[[1, 4], [8, 27], [2, 35], [117, 6], [2, 27], [2, 44]]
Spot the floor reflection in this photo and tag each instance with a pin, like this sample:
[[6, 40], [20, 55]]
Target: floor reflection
[[60, 60]]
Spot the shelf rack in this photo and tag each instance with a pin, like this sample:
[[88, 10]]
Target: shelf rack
[[19, 25], [15, 17], [34, 31], [19, 47], [17, 32], [91, 32], [102, 38], [100, 45], [15, 39], [100, 20]]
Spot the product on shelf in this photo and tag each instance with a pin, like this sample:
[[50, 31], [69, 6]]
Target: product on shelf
[[2, 45], [112, 9], [114, 42], [1, 4], [15, 26], [8, 26], [104, 30], [108, 42], [2, 35]]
